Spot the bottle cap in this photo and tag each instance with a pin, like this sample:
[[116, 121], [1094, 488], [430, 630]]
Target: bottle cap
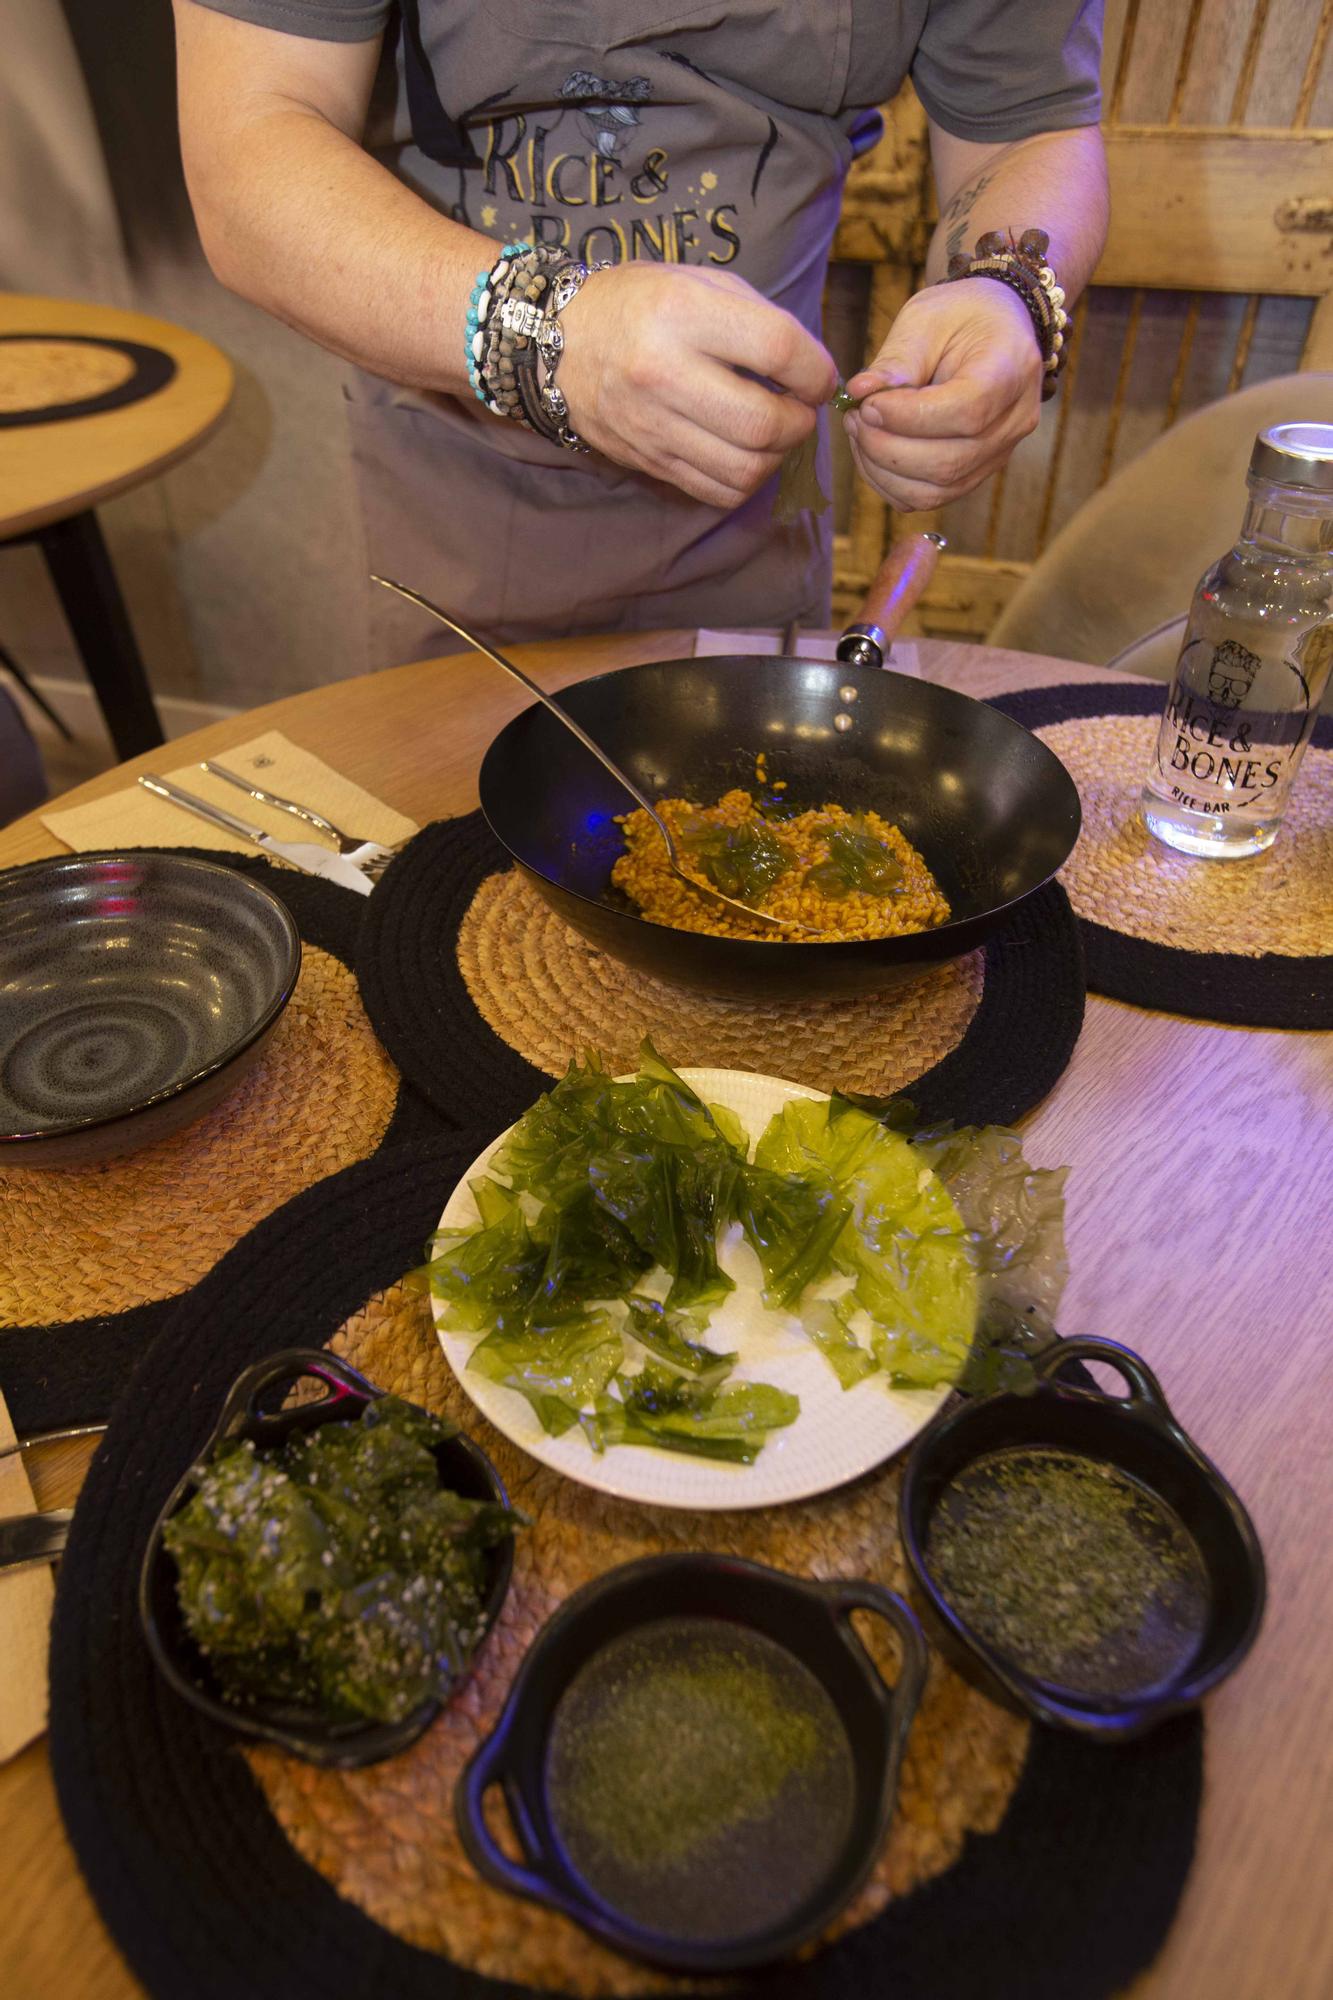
[[1295, 455]]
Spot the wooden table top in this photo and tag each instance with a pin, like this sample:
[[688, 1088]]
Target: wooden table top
[[49, 471], [1199, 1202]]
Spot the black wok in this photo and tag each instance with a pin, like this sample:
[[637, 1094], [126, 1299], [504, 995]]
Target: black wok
[[993, 811]]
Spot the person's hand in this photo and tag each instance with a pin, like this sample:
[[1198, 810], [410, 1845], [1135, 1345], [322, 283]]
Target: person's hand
[[649, 374], [955, 387]]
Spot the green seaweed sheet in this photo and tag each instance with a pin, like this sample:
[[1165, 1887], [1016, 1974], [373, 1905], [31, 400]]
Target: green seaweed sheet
[[894, 1251], [334, 1571], [799, 491]]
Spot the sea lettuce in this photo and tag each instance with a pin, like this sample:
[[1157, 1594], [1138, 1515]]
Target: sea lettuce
[[558, 1369], [903, 1252], [619, 1179], [791, 1221], [663, 1334], [658, 1407], [903, 1245]]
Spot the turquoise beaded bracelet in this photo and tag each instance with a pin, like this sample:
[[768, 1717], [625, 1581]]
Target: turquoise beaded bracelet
[[485, 294]]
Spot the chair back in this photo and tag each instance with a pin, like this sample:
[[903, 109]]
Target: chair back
[[1129, 560]]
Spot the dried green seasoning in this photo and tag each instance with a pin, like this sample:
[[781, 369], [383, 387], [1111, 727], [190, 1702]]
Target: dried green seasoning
[[334, 1571], [699, 1778], [1070, 1569]]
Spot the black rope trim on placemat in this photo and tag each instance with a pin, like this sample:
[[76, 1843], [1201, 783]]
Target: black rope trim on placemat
[[1016, 1047], [207, 1898], [1274, 990], [153, 369], [72, 1371]]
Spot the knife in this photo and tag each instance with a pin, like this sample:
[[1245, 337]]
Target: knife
[[303, 854], [26, 1539]]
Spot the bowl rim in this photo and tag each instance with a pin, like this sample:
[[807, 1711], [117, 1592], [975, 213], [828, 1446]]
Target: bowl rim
[[359, 1743], [758, 950], [96, 1121]]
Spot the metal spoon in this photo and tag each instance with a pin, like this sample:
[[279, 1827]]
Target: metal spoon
[[704, 889]]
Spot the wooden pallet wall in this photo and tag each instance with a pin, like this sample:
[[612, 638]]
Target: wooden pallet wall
[[1218, 271]]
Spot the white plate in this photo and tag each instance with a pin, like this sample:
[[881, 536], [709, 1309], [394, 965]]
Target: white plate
[[839, 1434]]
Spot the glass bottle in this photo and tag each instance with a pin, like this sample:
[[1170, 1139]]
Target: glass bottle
[[1258, 647]]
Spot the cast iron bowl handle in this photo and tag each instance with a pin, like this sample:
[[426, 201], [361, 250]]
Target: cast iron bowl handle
[[1145, 1396], [851, 1594], [244, 1411], [485, 1768]]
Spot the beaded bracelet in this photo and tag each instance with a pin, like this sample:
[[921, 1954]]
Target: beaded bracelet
[[1022, 267], [513, 335], [490, 347]]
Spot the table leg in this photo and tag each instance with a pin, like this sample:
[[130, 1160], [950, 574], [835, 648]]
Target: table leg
[[80, 566]]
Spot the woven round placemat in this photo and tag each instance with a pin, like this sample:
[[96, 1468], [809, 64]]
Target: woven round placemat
[[1019, 1862], [1248, 942], [47, 378], [481, 994], [90, 1255]]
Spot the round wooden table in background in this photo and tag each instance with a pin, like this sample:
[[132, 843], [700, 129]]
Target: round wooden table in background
[[1199, 1205], [53, 474]]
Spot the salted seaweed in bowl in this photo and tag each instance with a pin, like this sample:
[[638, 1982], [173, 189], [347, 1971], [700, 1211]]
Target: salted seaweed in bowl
[[334, 1571]]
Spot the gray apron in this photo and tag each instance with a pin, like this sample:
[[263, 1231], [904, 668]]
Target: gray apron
[[714, 134]]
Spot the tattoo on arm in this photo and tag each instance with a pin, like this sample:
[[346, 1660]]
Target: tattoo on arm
[[957, 211]]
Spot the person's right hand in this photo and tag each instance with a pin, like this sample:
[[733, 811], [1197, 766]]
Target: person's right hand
[[649, 374]]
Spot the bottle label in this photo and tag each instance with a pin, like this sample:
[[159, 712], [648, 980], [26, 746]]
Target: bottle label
[[1213, 756]]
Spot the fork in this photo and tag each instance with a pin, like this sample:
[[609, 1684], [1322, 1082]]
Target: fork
[[372, 857]]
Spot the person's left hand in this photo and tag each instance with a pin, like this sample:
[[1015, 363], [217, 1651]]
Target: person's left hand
[[955, 387]]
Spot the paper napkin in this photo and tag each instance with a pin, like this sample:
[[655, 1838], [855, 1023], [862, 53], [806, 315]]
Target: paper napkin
[[26, 1598], [136, 818]]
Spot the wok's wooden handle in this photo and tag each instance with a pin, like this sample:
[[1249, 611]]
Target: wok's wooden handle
[[902, 580]]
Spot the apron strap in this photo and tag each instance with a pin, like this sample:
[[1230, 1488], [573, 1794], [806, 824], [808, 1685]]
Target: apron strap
[[433, 130]]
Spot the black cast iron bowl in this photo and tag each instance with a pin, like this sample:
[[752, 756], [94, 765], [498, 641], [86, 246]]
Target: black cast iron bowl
[[993, 811], [811, 1620], [1138, 1434], [252, 1410], [136, 990]]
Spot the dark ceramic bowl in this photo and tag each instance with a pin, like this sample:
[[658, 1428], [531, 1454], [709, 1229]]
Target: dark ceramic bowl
[[135, 991], [811, 1622], [1137, 1435], [253, 1410]]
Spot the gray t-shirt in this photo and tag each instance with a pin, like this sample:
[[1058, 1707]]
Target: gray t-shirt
[[708, 132], [989, 70]]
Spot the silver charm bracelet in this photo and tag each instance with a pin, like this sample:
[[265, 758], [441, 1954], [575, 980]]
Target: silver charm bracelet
[[513, 326], [550, 337]]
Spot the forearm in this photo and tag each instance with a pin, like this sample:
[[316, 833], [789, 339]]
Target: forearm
[[294, 215], [1055, 182]]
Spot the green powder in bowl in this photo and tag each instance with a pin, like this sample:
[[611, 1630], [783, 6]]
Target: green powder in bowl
[[699, 1779], [1070, 1569]]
